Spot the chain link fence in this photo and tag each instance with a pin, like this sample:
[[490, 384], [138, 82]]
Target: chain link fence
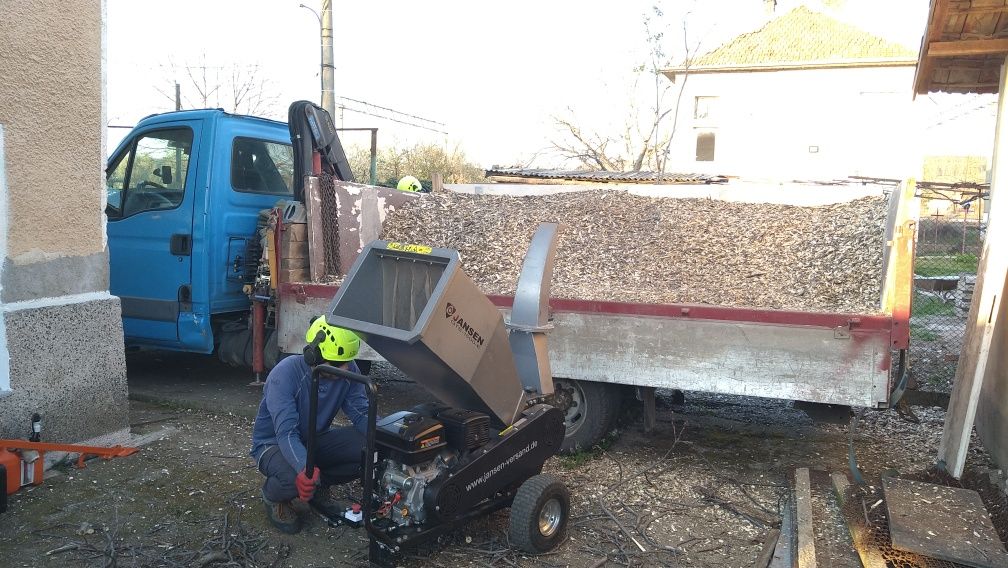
[[950, 237]]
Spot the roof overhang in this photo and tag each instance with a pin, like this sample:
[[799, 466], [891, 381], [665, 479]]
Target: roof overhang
[[963, 48], [789, 66]]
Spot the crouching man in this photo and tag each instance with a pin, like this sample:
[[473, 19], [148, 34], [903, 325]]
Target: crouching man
[[280, 433]]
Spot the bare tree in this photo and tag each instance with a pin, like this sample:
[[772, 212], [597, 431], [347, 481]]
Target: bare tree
[[643, 141], [240, 89]]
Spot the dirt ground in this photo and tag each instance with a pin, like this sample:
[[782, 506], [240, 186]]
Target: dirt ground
[[705, 489]]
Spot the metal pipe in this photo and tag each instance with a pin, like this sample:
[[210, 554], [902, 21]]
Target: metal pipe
[[258, 340], [374, 156]]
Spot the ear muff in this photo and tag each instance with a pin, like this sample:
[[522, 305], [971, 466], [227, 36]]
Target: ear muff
[[312, 351]]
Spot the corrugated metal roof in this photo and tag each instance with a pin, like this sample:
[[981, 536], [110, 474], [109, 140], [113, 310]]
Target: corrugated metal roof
[[604, 177], [801, 36]]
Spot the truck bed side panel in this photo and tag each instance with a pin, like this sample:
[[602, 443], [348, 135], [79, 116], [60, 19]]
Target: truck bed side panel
[[741, 358]]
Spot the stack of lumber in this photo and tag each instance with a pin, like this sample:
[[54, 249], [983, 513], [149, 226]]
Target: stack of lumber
[[622, 247]]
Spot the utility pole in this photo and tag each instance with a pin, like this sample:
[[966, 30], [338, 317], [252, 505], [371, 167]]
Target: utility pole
[[326, 31], [178, 97], [328, 88]]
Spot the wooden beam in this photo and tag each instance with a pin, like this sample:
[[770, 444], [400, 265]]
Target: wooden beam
[[969, 47], [937, 19], [982, 319], [803, 514]]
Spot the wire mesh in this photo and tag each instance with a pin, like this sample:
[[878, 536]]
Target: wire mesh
[[949, 242], [864, 510]]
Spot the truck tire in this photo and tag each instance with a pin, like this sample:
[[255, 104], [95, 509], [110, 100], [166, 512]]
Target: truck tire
[[271, 351], [539, 514], [589, 409]]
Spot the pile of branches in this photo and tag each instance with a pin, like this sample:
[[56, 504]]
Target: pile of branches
[[622, 247], [229, 545]]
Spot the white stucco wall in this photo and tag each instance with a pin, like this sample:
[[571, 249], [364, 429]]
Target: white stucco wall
[[863, 122]]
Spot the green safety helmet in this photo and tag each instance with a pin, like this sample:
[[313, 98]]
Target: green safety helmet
[[409, 183], [340, 345]]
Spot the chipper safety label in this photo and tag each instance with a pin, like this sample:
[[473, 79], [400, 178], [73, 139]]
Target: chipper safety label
[[419, 249]]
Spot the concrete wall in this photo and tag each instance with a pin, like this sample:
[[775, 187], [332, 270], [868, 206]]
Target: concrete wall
[[814, 124], [61, 348]]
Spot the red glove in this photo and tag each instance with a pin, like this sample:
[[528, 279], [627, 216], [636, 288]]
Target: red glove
[[306, 485]]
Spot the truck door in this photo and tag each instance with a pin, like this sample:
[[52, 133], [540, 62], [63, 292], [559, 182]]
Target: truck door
[[151, 186]]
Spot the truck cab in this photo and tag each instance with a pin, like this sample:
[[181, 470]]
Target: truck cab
[[184, 194]]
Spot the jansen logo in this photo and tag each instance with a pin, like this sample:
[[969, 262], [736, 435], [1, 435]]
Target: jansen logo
[[462, 325]]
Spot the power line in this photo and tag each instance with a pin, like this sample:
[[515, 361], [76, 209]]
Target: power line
[[413, 124], [394, 110]]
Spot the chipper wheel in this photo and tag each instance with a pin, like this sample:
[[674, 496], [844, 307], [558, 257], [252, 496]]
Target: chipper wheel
[[539, 514]]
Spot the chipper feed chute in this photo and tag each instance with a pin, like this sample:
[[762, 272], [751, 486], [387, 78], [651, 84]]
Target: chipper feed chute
[[416, 307]]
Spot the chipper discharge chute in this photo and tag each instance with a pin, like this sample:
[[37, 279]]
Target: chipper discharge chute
[[483, 446]]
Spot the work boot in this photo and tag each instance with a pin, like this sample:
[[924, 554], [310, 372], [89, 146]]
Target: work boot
[[327, 504], [282, 516]]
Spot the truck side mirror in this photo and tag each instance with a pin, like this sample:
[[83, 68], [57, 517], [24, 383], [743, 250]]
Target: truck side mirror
[[164, 172]]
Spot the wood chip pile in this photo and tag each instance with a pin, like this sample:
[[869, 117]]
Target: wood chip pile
[[622, 247]]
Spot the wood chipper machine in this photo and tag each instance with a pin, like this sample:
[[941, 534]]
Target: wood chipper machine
[[430, 469]]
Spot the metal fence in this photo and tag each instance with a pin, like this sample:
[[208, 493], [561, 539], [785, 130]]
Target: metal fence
[[949, 242]]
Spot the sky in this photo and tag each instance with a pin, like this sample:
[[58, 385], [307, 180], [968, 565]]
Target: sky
[[493, 73]]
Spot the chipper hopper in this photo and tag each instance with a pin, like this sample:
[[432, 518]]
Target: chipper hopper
[[483, 446]]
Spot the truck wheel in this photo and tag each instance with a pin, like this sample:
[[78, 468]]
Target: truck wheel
[[271, 352], [589, 411], [539, 514]]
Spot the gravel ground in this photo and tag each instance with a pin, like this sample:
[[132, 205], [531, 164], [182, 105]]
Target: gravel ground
[[617, 246], [703, 490]]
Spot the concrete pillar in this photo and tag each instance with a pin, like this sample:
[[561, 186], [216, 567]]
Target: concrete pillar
[[61, 346]]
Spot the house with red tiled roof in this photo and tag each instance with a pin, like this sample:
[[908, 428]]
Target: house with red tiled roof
[[803, 97]]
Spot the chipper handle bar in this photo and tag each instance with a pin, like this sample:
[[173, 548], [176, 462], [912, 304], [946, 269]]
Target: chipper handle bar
[[333, 373]]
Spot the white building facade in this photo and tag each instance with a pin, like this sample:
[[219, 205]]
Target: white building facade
[[808, 98]]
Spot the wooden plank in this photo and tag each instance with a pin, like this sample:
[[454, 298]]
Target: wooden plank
[[870, 556], [967, 47], [769, 545], [942, 522], [982, 320], [803, 507], [783, 556], [937, 19]]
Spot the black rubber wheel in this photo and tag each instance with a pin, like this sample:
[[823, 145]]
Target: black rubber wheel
[[590, 410], [271, 352], [539, 514]]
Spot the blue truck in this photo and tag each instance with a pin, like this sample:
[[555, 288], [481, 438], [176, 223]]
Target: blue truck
[[185, 190]]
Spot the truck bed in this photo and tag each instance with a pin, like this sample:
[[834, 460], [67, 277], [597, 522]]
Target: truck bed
[[823, 357]]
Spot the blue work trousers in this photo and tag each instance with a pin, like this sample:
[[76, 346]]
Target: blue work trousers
[[339, 455]]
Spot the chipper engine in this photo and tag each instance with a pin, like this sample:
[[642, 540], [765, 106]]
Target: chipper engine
[[482, 447]]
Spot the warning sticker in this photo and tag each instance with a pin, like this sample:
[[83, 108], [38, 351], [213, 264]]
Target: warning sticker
[[420, 249]]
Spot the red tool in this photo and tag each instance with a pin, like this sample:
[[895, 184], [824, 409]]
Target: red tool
[[21, 471]]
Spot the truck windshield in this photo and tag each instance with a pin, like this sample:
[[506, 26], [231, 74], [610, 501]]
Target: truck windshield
[[260, 166]]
